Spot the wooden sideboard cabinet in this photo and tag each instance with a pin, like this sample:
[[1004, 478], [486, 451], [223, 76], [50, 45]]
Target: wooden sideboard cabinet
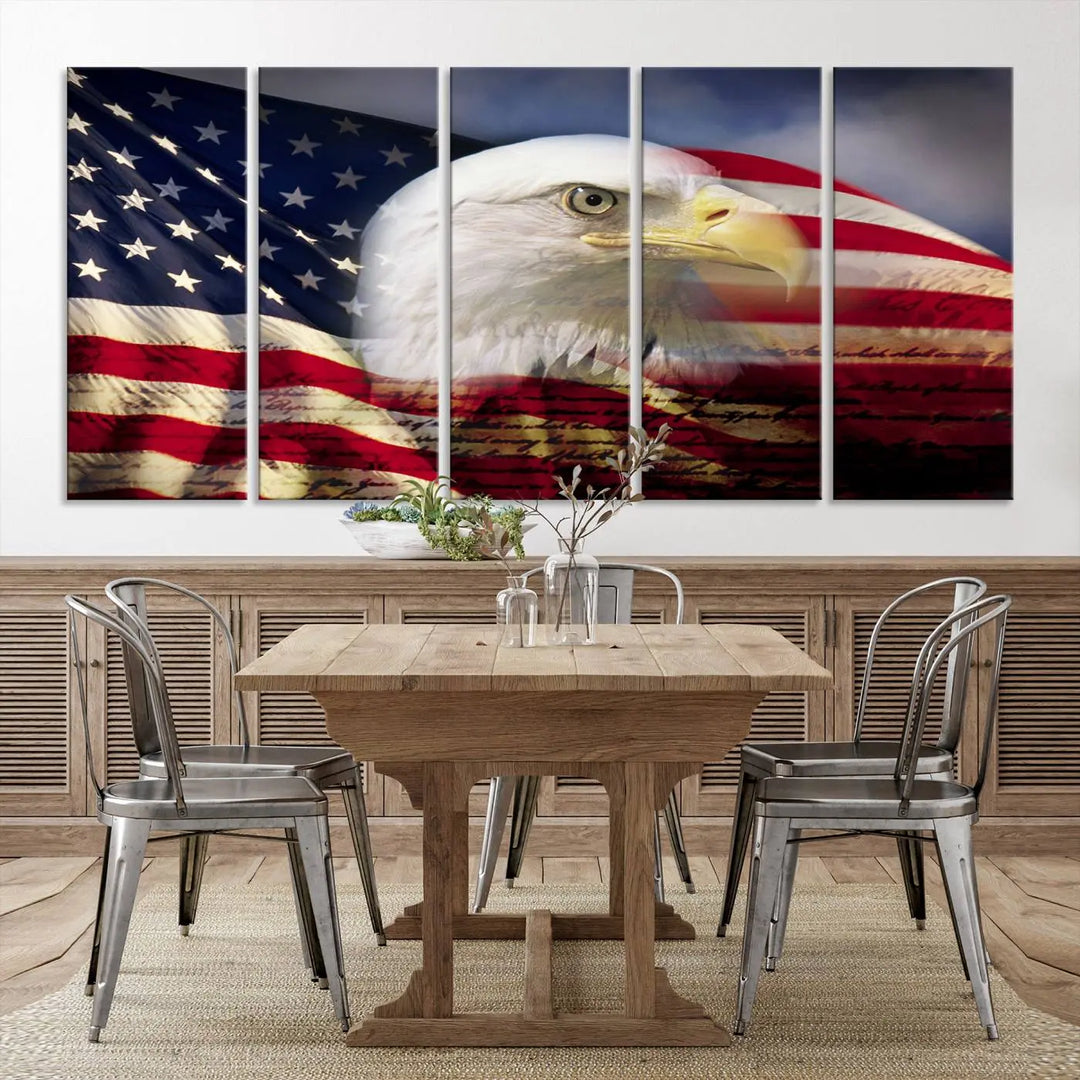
[[827, 606]]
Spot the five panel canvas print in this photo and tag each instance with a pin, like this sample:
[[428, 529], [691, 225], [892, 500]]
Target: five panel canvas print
[[537, 371]]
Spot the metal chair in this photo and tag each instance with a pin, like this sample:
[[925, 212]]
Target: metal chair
[[859, 757], [181, 805], [902, 803], [519, 794], [328, 767]]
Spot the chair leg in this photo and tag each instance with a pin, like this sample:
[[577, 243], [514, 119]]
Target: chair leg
[[678, 845], [126, 850], [766, 866], [361, 838], [911, 865], [778, 929], [305, 919], [192, 861], [658, 861], [500, 794], [95, 949], [318, 869], [526, 792], [741, 826], [957, 859]]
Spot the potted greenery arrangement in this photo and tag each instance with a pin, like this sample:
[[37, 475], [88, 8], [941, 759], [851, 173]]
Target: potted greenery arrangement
[[425, 522]]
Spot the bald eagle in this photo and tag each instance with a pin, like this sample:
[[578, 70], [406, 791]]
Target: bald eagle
[[540, 244]]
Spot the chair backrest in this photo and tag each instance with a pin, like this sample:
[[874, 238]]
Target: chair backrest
[[140, 649], [965, 591], [128, 594], [616, 590], [956, 633]]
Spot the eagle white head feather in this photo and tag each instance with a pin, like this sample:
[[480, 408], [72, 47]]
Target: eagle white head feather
[[540, 243]]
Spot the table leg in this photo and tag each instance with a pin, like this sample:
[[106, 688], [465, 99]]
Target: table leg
[[639, 904]]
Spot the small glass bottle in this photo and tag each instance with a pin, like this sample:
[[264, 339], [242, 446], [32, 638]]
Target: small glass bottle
[[515, 609], [571, 593]]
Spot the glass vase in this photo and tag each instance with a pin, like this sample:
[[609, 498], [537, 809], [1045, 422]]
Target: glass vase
[[515, 610], [571, 589]]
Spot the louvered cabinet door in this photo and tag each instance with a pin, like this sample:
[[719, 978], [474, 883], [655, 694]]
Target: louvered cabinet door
[[280, 717], [196, 666], [894, 664], [437, 610], [42, 760], [784, 716], [1034, 764]]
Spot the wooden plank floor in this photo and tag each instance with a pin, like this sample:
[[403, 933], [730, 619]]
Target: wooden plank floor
[[1031, 907]]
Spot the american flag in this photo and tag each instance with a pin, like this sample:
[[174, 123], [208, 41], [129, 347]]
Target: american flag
[[156, 296], [156, 314]]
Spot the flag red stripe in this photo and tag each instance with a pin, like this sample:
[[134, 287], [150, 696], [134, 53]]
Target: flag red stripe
[[915, 308], [327, 446], [280, 368], [99, 433], [866, 236], [156, 363]]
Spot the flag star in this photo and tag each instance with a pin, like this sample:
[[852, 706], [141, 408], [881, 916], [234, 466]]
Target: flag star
[[75, 77], [263, 166], [83, 171], [347, 126], [347, 178], [182, 228], [77, 123], [301, 235], [124, 157], [303, 145], [164, 98], [432, 139], [209, 132], [353, 306], [184, 281], [265, 114], [119, 110], [218, 221], [343, 228], [88, 269], [139, 248], [296, 198], [270, 294], [266, 250], [229, 263], [171, 189], [309, 280], [135, 201], [395, 156], [347, 265], [165, 144], [88, 221], [206, 174]]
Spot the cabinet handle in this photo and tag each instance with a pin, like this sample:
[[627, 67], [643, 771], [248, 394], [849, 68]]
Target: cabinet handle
[[95, 663]]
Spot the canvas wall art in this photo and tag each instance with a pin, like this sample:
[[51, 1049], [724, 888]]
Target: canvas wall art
[[923, 297], [731, 286], [348, 258], [540, 238], [155, 277]]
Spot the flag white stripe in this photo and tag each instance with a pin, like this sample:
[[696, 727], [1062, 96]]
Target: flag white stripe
[[156, 325], [153, 471], [113, 395]]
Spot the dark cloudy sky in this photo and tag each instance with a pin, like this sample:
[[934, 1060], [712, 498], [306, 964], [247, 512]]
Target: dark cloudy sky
[[937, 141]]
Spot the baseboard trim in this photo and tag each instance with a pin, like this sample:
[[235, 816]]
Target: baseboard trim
[[552, 837]]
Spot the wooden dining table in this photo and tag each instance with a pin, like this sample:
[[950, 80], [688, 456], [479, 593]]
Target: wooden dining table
[[440, 707]]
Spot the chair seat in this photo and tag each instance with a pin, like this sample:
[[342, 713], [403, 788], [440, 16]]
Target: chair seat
[[861, 798], [862, 758], [231, 797], [316, 763]]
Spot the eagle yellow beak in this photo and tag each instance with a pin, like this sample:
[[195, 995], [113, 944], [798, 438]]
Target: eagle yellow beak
[[719, 226]]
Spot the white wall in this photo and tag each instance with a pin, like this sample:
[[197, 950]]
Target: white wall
[[1039, 38]]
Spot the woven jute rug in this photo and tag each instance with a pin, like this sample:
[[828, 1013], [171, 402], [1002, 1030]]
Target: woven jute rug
[[860, 994]]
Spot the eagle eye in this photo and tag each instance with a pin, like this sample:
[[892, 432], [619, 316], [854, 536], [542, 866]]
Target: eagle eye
[[589, 200]]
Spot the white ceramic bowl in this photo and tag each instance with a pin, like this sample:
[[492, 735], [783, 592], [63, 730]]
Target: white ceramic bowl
[[392, 540]]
